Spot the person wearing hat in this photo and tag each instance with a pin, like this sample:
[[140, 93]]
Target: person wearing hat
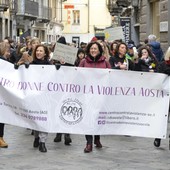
[[94, 39], [130, 52]]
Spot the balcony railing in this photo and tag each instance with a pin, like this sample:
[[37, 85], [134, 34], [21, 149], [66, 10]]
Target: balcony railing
[[113, 8], [45, 14], [123, 3], [13, 7], [28, 9], [4, 5]]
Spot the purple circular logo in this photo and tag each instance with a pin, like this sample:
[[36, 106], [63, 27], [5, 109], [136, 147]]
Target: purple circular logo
[[71, 111]]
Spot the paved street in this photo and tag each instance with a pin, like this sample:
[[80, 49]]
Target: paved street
[[118, 153]]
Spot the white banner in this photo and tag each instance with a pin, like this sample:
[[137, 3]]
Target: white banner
[[84, 100]]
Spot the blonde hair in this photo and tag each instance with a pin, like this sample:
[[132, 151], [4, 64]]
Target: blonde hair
[[3, 48], [35, 39], [167, 55], [106, 49]]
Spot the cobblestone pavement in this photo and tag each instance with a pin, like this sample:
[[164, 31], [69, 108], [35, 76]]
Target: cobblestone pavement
[[118, 153]]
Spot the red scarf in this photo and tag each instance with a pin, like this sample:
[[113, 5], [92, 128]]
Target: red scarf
[[167, 62]]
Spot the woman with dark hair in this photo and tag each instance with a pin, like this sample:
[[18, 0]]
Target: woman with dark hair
[[163, 67], [80, 55], [146, 60], [94, 59], [67, 138], [40, 56], [113, 46], [119, 60]]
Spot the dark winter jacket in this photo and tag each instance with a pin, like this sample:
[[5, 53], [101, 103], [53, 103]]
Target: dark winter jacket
[[115, 60], [157, 50], [164, 67], [146, 65], [42, 62]]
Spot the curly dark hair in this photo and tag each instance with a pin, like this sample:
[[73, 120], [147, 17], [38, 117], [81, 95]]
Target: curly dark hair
[[148, 50], [92, 43]]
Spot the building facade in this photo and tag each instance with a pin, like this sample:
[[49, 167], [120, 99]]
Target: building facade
[[80, 20], [84, 19], [147, 17], [154, 20], [4, 19], [19, 18]]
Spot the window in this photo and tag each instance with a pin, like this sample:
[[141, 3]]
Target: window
[[76, 17]]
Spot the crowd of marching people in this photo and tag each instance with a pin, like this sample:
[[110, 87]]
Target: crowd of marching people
[[147, 57]]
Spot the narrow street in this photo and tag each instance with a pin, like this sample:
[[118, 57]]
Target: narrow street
[[118, 153]]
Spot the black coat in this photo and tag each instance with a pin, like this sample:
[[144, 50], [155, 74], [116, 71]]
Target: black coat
[[164, 67], [146, 66], [114, 60], [42, 62]]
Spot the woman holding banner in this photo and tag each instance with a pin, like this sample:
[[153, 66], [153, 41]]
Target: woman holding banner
[[163, 67], [119, 60], [147, 62], [40, 56], [4, 55], [94, 59], [67, 138]]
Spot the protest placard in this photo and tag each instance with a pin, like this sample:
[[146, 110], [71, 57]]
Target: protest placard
[[114, 33], [65, 53]]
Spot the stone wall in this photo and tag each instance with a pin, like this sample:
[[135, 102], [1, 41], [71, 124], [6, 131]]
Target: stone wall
[[145, 22]]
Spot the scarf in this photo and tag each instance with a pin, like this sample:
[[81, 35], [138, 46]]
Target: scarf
[[167, 62]]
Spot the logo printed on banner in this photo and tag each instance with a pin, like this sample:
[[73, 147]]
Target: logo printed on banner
[[71, 111], [101, 122]]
